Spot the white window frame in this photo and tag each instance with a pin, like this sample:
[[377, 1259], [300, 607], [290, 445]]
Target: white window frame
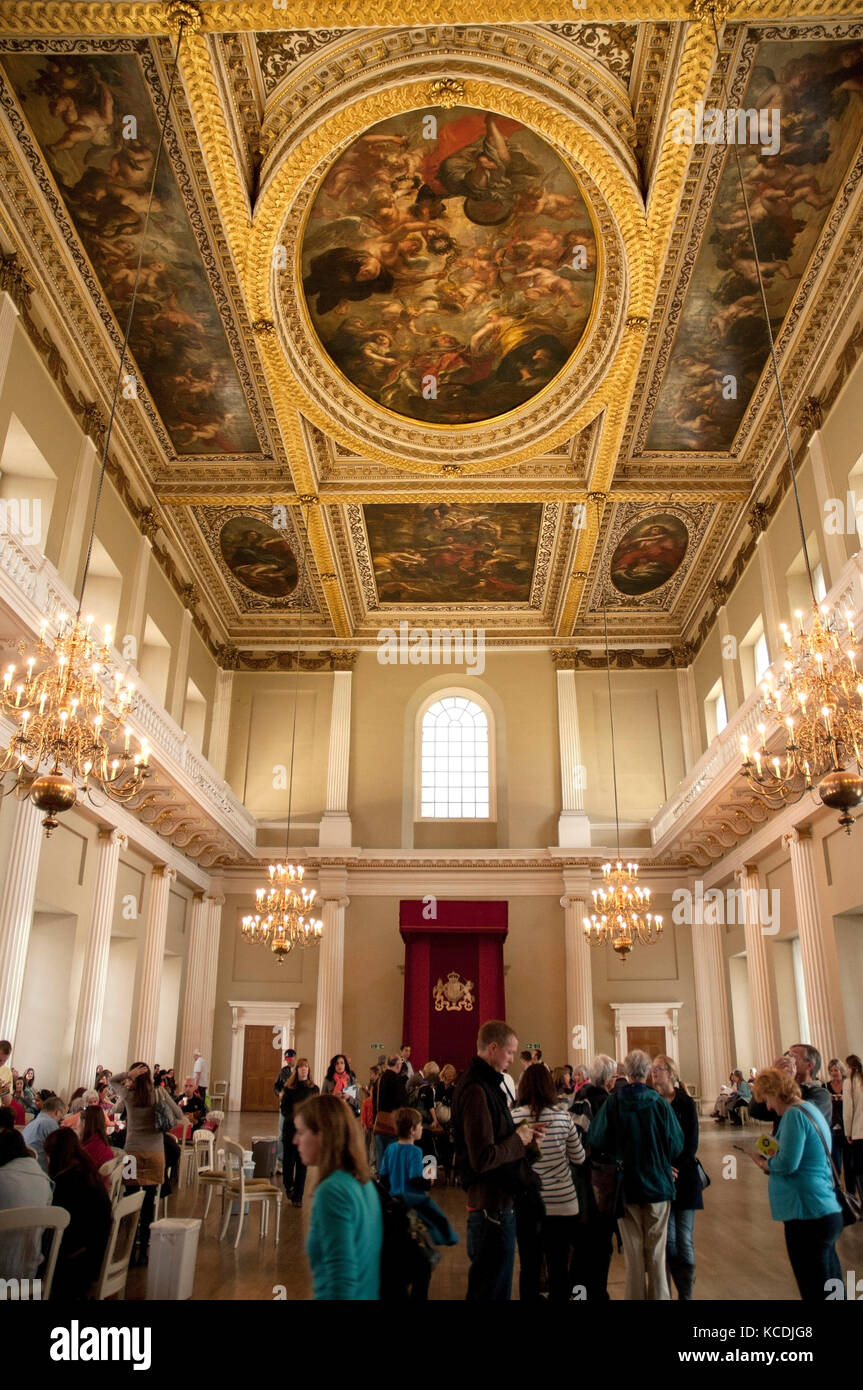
[[715, 695], [464, 693]]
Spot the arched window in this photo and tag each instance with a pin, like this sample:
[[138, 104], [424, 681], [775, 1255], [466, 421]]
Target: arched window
[[455, 773]]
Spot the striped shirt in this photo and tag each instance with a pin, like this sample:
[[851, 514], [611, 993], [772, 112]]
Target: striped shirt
[[560, 1146]]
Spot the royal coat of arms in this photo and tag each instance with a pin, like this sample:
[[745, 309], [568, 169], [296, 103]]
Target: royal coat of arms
[[456, 994]]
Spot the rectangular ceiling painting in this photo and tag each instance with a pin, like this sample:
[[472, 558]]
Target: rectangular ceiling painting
[[816, 87], [93, 118], [450, 553]]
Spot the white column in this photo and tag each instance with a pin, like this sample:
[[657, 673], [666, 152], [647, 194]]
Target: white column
[[335, 826], [765, 1033], [179, 676], [75, 533], [331, 970], [819, 958], [16, 910], [191, 1025], [711, 998], [772, 612], [574, 824], [8, 320], [836, 551], [731, 683], [133, 603], [690, 725], [579, 989], [220, 723], [211, 975], [94, 980], [147, 1022]]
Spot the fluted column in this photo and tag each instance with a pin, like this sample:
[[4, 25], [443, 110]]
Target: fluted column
[[765, 1033], [769, 596], [147, 1021], [711, 998], [574, 824], [331, 975], [211, 974], [579, 987], [191, 1025], [821, 980], [335, 826], [178, 676], [837, 545], [70, 559], [16, 910], [732, 685], [132, 617], [94, 979]]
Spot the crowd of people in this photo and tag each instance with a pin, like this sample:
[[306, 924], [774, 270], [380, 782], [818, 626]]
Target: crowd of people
[[61, 1153], [556, 1165]]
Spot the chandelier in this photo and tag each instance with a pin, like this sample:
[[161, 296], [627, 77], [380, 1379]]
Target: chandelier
[[286, 907], [70, 708], [622, 904], [819, 699], [283, 917], [68, 722], [818, 696], [621, 916]]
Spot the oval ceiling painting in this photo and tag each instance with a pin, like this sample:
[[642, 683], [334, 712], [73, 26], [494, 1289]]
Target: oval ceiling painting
[[648, 554], [449, 265], [258, 557]]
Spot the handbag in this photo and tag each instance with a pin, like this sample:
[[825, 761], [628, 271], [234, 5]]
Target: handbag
[[443, 1113], [384, 1123], [703, 1175], [848, 1202], [606, 1181], [165, 1118]]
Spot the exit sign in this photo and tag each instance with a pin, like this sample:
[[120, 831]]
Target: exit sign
[[376, 1047]]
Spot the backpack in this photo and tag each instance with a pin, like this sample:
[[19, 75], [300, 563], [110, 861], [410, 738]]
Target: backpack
[[407, 1252]]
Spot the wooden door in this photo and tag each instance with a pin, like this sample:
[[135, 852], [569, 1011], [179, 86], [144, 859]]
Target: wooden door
[[261, 1064], [649, 1040]]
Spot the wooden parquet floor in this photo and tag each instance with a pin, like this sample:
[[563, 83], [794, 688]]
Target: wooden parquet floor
[[740, 1251]]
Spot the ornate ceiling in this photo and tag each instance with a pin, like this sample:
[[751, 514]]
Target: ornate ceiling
[[446, 308]]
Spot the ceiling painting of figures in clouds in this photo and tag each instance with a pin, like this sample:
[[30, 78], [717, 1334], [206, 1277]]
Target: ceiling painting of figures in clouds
[[92, 116], [791, 181], [648, 554], [452, 554], [449, 265]]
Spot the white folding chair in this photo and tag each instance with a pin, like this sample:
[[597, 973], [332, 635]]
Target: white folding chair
[[112, 1172], [204, 1154], [241, 1190], [219, 1095], [38, 1219], [213, 1178], [118, 1251], [187, 1157]]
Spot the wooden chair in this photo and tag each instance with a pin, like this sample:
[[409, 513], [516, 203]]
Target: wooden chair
[[213, 1179], [112, 1171], [118, 1251], [38, 1219], [241, 1189]]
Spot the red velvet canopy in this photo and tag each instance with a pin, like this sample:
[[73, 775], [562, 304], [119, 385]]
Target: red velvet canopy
[[463, 936]]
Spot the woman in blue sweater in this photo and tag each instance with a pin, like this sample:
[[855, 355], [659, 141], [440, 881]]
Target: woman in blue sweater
[[346, 1228], [801, 1189]]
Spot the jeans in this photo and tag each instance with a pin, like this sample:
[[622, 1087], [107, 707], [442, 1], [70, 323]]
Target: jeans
[[382, 1142], [811, 1247], [644, 1229], [679, 1244], [491, 1251]]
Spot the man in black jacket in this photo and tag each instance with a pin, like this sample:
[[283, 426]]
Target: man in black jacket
[[278, 1087], [491, 1162], [808, 1066]]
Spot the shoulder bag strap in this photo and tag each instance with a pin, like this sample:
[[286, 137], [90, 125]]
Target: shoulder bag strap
[[817, 1129]]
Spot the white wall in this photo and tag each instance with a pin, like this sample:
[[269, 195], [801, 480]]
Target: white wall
[[743, 1050], [117, 1020], [849, 943], [169, 1001]]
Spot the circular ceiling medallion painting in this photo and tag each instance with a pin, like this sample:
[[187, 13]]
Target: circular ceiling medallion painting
[[449, 265], [258, 557], [648, 554]]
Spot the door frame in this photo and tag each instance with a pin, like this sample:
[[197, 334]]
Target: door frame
[[647, 1015], [266, 1013]]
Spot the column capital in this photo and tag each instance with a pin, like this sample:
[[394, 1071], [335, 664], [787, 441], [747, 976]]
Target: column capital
[[795, 836], [570, 899], [214, 899], [335, 902], [163, 871], [746, 869], [112, 836]]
